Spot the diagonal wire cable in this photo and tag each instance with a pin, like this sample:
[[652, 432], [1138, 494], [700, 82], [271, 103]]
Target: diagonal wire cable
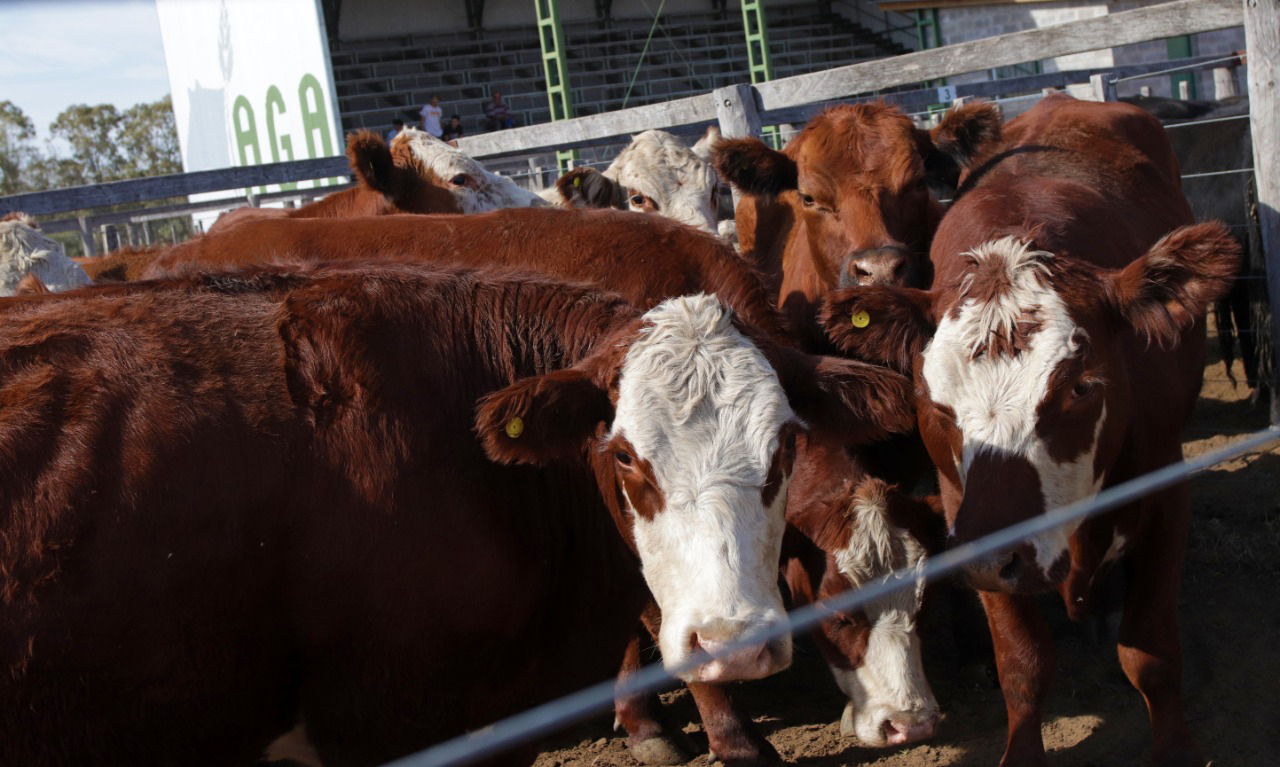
[[643, 51], [549, 717]]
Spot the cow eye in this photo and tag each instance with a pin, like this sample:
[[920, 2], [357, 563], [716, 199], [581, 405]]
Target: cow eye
[[1083, 389], [807, 199], [637, 199], [623, 458], [459, 180]]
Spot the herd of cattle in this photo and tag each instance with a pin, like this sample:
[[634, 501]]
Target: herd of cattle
[[333, 484]]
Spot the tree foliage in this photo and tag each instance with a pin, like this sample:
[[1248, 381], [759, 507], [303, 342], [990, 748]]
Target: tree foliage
[[104, 143]]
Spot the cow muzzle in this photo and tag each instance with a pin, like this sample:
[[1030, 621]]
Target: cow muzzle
[[734, 656], [1017, 572], [887, 264], [894, 729]]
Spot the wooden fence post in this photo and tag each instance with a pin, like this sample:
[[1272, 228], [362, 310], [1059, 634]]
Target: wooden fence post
[[1103, 88], [738, 115], [86, 237], [1262, 42], [1224, 83]]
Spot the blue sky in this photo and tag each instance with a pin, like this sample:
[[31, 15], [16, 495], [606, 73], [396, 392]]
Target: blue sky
[[55, 53]]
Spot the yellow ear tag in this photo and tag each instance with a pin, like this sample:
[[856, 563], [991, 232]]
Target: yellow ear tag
[[515, 427], [861, 319], [577, 181]]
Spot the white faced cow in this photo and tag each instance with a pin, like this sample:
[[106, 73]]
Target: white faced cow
[[655, 173], [476, 188]]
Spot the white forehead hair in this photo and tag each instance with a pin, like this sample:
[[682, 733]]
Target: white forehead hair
[[658, 166], [491, 191], [996, 396], [690, 367]]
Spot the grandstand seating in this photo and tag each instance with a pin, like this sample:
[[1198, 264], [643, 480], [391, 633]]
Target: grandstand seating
[[690, 53]]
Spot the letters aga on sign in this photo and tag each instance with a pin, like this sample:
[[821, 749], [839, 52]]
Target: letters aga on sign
[[251, 82]]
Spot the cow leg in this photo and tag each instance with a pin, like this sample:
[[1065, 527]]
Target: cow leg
[[1150, 649], [650, 738], [1025, 661], [733, 737]]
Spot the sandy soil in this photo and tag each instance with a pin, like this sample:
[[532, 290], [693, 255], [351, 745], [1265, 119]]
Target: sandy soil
[[1230, 627]]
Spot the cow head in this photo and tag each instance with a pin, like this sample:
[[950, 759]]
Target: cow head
[[474, 189], [398, 180], [858, 178], [866, 532], [689, 427], [663, 176], [1021, 369]]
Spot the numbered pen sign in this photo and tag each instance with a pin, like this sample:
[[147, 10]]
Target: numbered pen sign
[[947, 94]]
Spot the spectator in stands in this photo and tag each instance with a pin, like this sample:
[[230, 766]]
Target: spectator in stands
[[454, 129], [397, 125], [431, 114], [497, 115]]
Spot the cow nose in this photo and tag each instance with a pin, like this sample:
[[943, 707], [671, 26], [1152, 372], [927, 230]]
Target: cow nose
[[999, 572], [731, 662], [897, 728], [873, 266], [900, 731]]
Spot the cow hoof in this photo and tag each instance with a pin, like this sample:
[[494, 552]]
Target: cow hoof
[[714, 760], [765, 756], [659, 750]]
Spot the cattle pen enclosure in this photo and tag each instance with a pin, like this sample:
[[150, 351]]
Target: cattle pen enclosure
[[743, 110]]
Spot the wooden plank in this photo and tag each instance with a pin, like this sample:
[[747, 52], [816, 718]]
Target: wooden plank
[[919, 99], [582, 130], [1262, 43], [916, 5], [1153, 22], [176, 185]]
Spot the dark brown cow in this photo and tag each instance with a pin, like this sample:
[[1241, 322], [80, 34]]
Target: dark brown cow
[[1059, 352], [230, 503], [646, 259], [849, 193]]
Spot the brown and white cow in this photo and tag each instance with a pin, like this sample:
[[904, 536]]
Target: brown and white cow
[[391, 502], [850, 193], [417, 173], [647, 259], [1059, 352], [655, 173]]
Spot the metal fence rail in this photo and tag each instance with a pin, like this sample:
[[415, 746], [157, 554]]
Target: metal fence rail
[[549, 717]]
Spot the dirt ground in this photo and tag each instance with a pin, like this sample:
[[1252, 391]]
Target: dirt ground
[[1093, 718]]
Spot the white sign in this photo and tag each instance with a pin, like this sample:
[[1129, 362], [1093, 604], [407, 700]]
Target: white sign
[[251, 82], [947, 94]]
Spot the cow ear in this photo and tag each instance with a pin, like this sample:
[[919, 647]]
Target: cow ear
[[852, 401], [967, 131], [1173, 285], [753, 167], [370, 159], [884, 324], [543, 419], [590, 188], [707, 143]]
